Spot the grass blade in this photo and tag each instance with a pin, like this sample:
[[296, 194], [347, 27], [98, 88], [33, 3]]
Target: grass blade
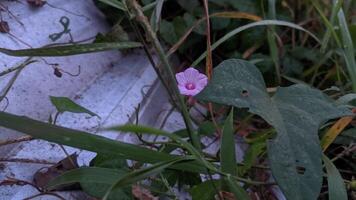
[[251, 25], [90, 142], [337, 190], [271, 37], [236, 189], [328, 24], [347, 43], [227, 14], [227, 149], [68, 50], [144, 173], [176, 138]]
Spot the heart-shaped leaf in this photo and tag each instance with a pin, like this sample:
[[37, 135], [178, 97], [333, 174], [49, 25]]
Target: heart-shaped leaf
[[296, 112]]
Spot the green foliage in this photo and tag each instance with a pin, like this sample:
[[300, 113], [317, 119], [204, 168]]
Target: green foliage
[[68, 50], [296, 112], [227, 149], [98, 190], [337, 190], [88, 141], [64, 104], [205, 190]]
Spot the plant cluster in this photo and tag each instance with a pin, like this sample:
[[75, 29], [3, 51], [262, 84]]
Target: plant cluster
[[280, 76]]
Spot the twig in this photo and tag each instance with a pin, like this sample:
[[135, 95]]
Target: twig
[[61, 146], [29, 161], [45, 193], [13, 79], [348, 150], [21, 139], [13, 181]]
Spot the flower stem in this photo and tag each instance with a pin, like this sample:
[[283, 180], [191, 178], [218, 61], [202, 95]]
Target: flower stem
[[167, 69]]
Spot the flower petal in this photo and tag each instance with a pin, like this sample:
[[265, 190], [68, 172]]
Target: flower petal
[[183, 90], [191, 74], [181, 78]]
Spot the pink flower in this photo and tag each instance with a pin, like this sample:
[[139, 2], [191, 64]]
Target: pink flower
[[191, 82]]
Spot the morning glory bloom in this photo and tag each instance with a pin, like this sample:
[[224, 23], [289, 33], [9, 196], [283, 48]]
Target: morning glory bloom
[[191, 81]]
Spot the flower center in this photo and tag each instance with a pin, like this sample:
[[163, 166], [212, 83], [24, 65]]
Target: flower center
[[190, 86]]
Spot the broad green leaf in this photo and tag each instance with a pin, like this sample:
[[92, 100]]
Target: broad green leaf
[[144, 173], [227, 148], [100, 178], [336, 185], [68, 50], [188, 5], [88, 175], [108, 161], [248, 26], [90, 142], [296, 112], [206, 190], [64, 104], [114, 3], [98, 190]]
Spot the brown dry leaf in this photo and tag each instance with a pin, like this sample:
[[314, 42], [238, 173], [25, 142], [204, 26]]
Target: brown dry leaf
[[335, 130], [37, 3], [227, 195], [142, 193], [4, 27], [43, 176]]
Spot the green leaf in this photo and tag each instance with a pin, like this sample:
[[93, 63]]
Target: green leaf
[[188, 5], [144, 173], [227, 148], [90, 142], [346, 137], [167, 32], [236, 189], [95, 181], [206, 190], [87, 175], [296, 112], [207, 128], [156, 15], [175, 138], [67, 50], [348, 48], [248, 26], [109, 161], [64, 104], [336, 186], [252, 153], [98, 190]]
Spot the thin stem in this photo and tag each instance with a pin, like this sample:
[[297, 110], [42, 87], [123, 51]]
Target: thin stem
[[140, 17], [13, 79]]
